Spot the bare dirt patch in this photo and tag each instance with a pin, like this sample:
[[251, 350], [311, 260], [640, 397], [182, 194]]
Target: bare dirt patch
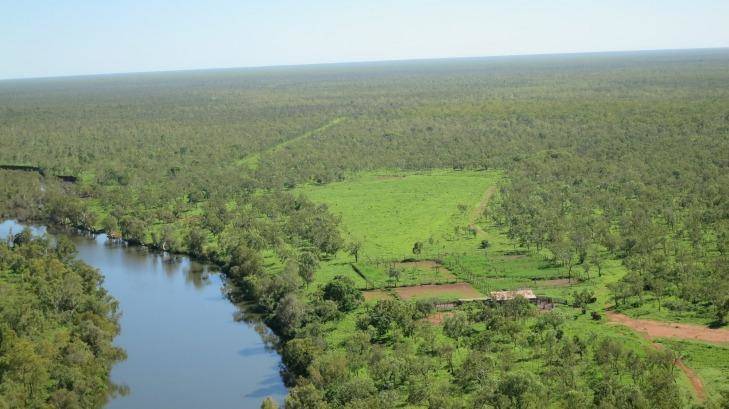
[[426, 265], [657, 329], [437, 318], [376, 295], [459, 290]]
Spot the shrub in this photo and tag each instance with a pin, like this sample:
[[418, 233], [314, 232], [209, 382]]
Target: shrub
[[342, 291]]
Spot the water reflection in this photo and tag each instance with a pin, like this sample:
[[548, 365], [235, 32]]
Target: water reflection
[[187, 345]]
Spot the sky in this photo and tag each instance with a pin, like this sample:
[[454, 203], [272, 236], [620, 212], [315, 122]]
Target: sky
[[41, 38]]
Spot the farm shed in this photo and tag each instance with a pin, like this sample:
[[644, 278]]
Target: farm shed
[[510, 295]]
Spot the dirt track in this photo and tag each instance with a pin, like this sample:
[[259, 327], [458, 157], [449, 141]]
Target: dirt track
[[690, 374], [656, 329], [695, 380]]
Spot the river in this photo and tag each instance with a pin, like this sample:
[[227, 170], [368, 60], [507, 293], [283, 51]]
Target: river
[[185, 348]]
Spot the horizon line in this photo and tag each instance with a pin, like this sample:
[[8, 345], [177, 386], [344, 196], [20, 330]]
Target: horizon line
[[357, 62]]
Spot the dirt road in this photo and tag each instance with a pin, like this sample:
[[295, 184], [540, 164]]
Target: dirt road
[[690, 374], [657, 329]]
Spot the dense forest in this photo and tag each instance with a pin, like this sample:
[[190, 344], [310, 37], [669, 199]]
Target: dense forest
[[620, 156]]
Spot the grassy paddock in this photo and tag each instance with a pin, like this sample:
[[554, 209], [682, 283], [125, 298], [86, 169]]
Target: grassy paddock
[[389, 212]]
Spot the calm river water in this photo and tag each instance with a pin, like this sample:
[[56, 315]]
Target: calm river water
[[184, 347]]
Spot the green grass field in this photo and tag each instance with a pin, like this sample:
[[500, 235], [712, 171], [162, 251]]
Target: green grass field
[[389, 212]]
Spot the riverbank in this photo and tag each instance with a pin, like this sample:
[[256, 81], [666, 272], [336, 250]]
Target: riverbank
[[57, 327], [188, 345]]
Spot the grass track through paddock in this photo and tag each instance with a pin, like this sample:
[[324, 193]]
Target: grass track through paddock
[[477, 211]]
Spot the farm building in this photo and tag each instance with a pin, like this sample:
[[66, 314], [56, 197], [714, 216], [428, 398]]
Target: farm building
[[510, 295]]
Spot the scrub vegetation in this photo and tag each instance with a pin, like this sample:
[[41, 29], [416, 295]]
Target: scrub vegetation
[[598, 181]]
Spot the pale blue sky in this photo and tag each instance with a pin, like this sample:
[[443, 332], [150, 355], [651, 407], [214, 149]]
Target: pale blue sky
[[72, 37]]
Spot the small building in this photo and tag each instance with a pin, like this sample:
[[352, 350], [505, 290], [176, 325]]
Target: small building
[[500, 296]]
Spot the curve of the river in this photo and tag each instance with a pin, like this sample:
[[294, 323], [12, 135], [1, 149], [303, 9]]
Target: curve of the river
[[185, 348]]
